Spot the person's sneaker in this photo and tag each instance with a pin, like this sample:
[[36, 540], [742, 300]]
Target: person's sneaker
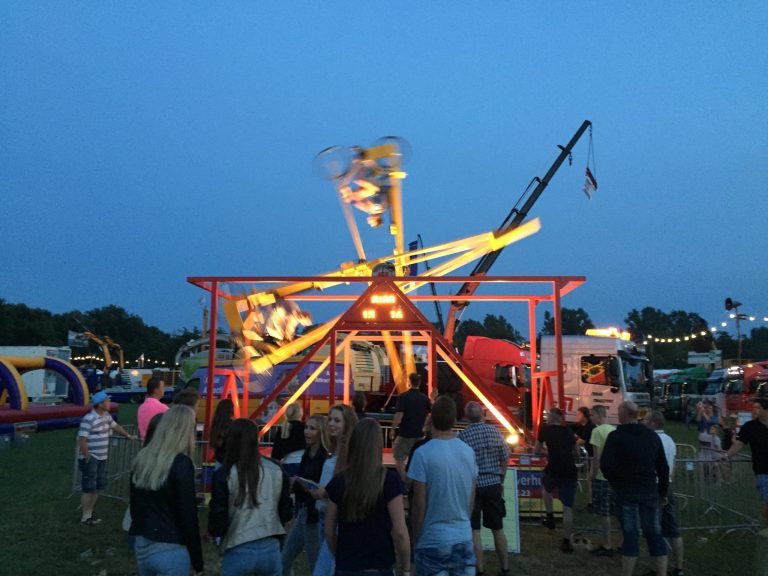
[[566, 546], [92, 521], [548, 523], [602, 551], [676, 572]]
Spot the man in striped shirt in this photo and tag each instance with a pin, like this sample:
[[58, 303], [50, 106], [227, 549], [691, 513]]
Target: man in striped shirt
[[491, 455], [93, 443]]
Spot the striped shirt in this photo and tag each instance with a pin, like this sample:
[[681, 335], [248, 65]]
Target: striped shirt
[[96, 429], [490, 451]]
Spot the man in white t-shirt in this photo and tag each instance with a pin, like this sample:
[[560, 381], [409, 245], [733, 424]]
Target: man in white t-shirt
[[669, 527], [602, 495]]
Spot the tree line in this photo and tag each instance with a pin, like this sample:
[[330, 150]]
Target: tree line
[[21, 325]]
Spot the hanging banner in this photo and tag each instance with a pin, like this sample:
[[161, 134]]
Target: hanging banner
[[77, 339]]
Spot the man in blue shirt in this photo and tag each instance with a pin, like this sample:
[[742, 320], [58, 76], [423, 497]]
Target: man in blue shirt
[[443, 472]]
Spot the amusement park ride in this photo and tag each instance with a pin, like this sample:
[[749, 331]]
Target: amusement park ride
[[263, 316]]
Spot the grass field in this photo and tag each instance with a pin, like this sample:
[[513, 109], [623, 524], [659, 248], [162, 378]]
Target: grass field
[[40, 531]]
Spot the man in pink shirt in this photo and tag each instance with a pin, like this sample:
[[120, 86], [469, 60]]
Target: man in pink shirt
[[151, 405]]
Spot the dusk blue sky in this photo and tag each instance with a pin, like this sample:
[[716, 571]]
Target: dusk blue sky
[[144, 142]]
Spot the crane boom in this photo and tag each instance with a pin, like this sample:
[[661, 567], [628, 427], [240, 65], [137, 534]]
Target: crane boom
[[512, 221]]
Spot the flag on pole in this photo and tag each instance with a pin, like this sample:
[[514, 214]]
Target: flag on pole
[[413, 269], [590, 184], [77, 339]]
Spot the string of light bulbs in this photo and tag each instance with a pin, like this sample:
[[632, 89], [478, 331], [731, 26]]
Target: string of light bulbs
[[699, 334]]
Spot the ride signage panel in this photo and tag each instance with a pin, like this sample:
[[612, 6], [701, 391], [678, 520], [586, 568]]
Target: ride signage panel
[[512, 519]]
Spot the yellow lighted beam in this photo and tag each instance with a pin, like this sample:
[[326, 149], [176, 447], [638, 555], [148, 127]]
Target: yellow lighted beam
[[471, 385], [396, 211], [410, 363], [293, 347], [394, 361], [312, 377], [353, 230], [480, 243]]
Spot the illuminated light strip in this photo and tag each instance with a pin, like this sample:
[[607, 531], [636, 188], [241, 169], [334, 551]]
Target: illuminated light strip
[[611, 332], [499, 416], [284, 407]]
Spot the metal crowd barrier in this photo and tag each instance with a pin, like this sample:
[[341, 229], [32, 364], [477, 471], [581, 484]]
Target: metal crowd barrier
[[714, 494], [121, 454], [709, 494]]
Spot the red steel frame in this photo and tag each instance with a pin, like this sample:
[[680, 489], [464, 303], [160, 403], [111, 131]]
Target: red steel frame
[[349, 323]]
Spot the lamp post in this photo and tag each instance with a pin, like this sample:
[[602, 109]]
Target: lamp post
[[731, 304]]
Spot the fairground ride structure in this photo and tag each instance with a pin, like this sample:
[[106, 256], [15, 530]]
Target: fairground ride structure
[[262, 314]]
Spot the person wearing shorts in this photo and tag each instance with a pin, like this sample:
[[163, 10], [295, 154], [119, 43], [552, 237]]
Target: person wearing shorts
[[603, 499], [559, 473], [491, 456], [93, 449], [408, 422]]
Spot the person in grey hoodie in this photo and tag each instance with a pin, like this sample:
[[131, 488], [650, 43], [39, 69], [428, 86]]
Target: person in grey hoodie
[[632, 460]]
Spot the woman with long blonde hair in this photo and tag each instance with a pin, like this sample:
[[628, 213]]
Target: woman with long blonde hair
[[163, 499], [365, 519], [291, 437], [305, 533], [341, 421]]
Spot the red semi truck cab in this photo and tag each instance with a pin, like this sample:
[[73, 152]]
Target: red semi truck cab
[[503, 366], [750, 383]]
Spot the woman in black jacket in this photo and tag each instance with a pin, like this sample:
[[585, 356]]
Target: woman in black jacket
[[291, 438], [304, 533], [163, 499]]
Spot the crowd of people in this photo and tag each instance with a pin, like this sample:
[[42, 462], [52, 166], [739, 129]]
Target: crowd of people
[[345, 510]]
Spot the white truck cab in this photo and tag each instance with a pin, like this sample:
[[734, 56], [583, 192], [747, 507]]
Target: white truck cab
[[599, 371]]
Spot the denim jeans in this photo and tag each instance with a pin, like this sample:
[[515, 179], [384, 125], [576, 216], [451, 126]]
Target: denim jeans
[[761, 481], [455, 560], [326, 563], [389, 572], [260, 557], [646, 509], [302, 536], [161, 558]]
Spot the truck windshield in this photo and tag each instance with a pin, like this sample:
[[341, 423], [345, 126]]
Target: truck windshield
[[734, 386], [712, 388], [634, 374]]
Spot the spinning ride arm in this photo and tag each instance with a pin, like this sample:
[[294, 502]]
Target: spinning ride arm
[[512, 221]]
